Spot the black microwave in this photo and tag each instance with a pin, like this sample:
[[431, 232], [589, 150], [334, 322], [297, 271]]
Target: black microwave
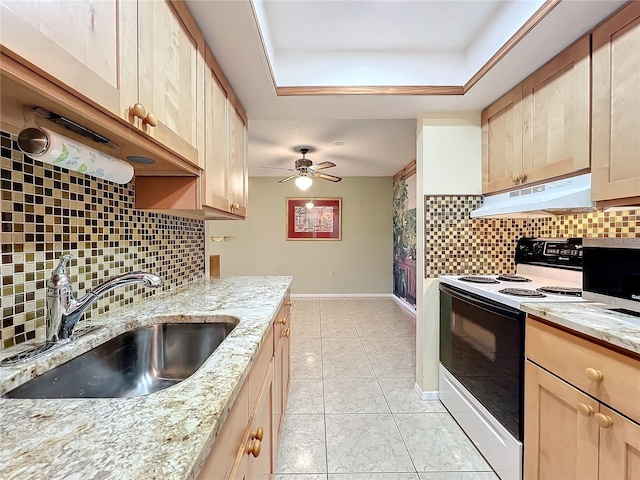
[[611, 271]]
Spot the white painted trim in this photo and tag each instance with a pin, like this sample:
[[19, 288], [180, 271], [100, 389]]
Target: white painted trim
[[407, 306], [425, 395], [341, 295]]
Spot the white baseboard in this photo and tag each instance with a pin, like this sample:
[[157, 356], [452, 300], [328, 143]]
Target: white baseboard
[[403, 303], [342, 295], [427, 395]]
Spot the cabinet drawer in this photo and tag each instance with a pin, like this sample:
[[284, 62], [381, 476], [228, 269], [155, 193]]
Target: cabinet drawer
[[569, 357]]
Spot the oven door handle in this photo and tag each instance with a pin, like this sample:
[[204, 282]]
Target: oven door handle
[[484, 305]]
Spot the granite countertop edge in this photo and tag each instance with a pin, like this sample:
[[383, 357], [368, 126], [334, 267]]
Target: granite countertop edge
[[165, 435], [592, 320]]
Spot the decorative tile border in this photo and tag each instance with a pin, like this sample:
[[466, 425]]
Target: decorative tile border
[[47, 211], [456, 244]]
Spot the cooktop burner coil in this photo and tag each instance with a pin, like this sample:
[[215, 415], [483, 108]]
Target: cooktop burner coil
[[513, 278], [569, 291], [522, 292], [479, 280]]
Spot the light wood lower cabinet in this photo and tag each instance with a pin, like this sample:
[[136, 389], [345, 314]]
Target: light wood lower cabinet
[[247, 445], [616, 108], [560, 443], [570, 434]]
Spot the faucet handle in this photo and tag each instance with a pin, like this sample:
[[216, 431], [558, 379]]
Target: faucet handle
[[59, 277], [61, 269]]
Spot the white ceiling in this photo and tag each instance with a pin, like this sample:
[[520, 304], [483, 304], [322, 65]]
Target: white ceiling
[[278, 124], [315, 26]]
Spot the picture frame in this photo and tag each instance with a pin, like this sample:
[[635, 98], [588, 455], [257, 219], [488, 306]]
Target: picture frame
[[322, 222]]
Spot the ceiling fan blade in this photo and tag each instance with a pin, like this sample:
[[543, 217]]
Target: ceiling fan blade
[[322, 165], [287, 179], [279, 168], [331, 178]]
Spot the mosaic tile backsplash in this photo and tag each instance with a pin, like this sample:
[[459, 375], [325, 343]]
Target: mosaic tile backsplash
[[456, 244], [47, 211]]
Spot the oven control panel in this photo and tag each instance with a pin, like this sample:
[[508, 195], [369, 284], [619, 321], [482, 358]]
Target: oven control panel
[[556, 252]]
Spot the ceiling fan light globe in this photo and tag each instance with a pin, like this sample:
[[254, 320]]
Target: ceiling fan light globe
[[303, 183]]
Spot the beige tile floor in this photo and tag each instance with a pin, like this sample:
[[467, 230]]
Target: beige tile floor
[[353, 413]]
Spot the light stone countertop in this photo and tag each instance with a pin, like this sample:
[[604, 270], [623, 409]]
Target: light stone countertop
[[592, 320], [165, 435]]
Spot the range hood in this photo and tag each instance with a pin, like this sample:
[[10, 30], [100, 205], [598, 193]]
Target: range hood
[[562, 197]]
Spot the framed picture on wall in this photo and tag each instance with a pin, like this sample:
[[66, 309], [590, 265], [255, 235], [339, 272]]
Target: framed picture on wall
[[314, 219]]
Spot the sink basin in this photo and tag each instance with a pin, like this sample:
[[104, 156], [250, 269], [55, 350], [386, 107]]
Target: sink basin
[[135, 363]]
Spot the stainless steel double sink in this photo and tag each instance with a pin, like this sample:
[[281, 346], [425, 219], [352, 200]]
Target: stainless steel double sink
[[139, 362]]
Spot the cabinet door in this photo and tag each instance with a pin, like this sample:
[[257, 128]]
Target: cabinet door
[[170, 62], [261, 466], [556, 116], [229, 444], [619, 448], [616, 106], [216, 188], [87, 47], [502, 142], [237, 162], [559, 441]]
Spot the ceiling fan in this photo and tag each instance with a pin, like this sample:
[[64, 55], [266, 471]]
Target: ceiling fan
[[306, 170]]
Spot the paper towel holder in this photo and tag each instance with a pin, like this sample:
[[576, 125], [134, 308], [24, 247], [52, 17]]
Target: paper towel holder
[[72, 126]]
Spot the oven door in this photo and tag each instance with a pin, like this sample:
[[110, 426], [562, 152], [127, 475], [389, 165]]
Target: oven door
[[482, 346]]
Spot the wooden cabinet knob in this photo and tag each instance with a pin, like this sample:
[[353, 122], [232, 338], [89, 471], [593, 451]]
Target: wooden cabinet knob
[[286, 333], [150, 119], [289, 303], [593, 374], [138, 110], [522, 177], [282, 321], [254, 447], [257, 434], [584, 410], [515, 179], [236, 205], [603, 421]]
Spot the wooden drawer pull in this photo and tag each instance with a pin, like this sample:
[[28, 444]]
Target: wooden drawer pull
[[254, 447], [258, 434], [282, 321], [289, 303], [286, 333], [603, 421], [138, 110], [584, 410], [593, 374], [150, 119]]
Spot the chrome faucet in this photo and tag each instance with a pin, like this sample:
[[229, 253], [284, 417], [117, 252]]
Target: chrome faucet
[[64, 311]]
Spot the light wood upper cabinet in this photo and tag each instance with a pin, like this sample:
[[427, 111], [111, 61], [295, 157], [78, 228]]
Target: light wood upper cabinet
[[541, 129], [170, 65], [237, 162], [616, 107], [556, 117], [502, 142], [88, 47], [216, 179]]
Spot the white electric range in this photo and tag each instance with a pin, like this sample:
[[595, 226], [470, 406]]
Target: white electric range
[[482, 343]]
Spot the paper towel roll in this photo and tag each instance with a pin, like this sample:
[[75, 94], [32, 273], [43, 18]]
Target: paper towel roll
[[49, 147]]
